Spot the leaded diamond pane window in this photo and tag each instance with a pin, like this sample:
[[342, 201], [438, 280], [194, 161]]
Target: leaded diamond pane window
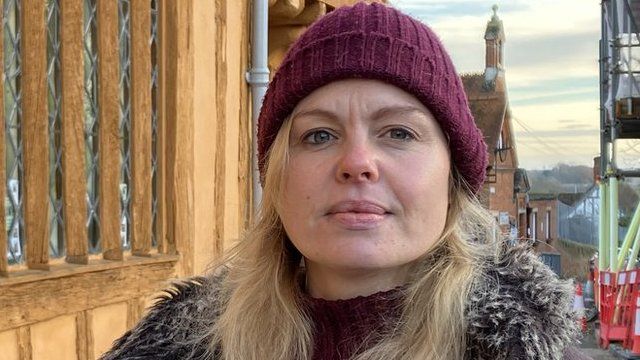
[[154, 119], [91, 122], [13, 142], [125, 123], [56, 224]]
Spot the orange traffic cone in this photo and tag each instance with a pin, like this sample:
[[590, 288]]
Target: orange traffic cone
[[578, 308]]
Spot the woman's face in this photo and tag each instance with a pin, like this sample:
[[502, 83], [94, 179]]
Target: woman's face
[[366, 185]]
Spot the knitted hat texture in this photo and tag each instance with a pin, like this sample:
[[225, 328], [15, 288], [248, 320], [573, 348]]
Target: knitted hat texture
[[375, 41]]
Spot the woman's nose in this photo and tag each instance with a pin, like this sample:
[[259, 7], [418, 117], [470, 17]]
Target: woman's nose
[[357, 163]]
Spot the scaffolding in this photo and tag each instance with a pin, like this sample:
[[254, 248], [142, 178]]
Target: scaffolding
[[619, 115], [619, 159]]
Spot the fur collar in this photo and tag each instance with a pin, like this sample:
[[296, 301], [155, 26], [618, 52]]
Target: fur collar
[[518, 310]]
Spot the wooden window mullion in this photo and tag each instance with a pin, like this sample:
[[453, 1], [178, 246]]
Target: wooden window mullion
[[163, 246], [140, 13], [73, 154], [35, 133], [109, 115]]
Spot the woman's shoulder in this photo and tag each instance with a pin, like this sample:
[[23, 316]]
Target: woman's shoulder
[[519, 308], [177, 326]]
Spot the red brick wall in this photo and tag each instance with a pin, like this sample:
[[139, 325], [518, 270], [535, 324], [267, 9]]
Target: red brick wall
[[502, 199], [491, 53]]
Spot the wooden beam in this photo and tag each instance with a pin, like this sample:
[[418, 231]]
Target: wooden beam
[[140, 13], [84, 335], [161, 158], [245, 146], [109, 114], [79, 287], [74, 187], [135, 308], [35, 137], [178, 115], [311, 12], [25, 351], [221, 126], [287, 8], [3, 173]]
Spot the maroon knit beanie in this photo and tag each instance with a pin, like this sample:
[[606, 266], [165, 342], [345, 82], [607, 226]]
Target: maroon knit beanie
[[376, 42]]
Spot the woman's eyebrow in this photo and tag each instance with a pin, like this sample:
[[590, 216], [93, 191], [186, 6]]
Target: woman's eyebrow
[[388, 111], [315, 112], [383, 112]]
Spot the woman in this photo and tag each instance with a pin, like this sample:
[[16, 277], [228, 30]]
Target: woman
[[370, 243]]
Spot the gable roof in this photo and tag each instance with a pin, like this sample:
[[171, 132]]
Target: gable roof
[[570, 198], [521, 181], [542, 196]]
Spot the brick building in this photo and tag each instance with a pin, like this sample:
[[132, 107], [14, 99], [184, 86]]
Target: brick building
[[505, 190]]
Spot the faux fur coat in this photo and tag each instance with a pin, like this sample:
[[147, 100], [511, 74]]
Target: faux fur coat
[[519, 310]]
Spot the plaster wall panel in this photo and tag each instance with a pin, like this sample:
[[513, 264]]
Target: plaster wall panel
[[9, 345], [54, 339], [235, 85], [205, 118], [108, 323]]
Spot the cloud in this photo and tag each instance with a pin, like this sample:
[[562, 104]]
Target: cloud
[[546, 116], [574, 126], [565, 133], [565, 83], [573, 149], [554, 97], [434, 10], [526, 50]]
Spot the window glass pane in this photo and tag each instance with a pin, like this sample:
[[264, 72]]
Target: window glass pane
[[154, 119], [13, 145], [56, 224], [91, 123], [548, 224], [125, 124]]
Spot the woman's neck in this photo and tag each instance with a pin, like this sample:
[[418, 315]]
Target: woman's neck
[[335, 284]]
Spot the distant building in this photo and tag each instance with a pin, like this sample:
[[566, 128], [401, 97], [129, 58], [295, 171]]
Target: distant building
[[545, 211], [565, 227], [505, 190]]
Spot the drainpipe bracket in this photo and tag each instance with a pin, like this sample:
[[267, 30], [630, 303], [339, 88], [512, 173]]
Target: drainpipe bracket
[[258, 76]]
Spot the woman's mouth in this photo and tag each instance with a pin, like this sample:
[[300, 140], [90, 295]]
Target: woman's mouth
[[358, 215]]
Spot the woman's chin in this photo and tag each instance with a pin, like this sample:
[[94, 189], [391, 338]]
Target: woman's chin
[[361, 262]]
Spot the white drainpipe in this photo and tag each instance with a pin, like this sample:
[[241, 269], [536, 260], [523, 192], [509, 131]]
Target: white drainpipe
[[258, 78]]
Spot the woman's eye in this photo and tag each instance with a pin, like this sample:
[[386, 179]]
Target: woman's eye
[[400, 134], [318, 137]]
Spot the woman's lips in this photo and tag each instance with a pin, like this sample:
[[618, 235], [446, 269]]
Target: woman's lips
[[358, 221], [357, 215]]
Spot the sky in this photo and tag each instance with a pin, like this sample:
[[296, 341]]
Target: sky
[[551, 68]]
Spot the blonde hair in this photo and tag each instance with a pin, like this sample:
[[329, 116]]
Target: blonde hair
[[260, 297]]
